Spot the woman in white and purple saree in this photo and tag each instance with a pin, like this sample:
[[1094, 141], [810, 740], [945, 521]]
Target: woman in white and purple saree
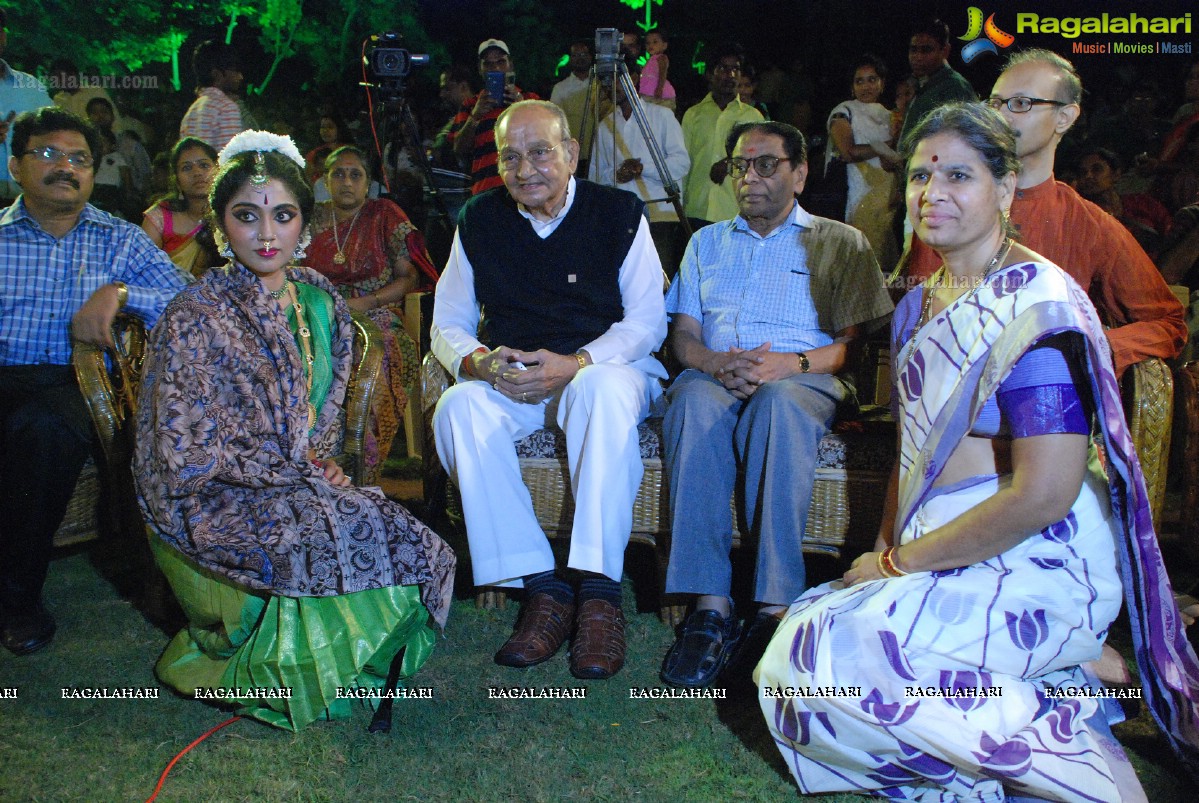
[[946, 664]]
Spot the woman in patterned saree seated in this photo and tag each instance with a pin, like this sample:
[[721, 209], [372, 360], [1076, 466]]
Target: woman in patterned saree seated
[[178, 224], [1015, 511], [291, 578], [374, 256]]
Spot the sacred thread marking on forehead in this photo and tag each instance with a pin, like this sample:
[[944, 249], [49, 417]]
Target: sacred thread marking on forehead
[[266, 199]]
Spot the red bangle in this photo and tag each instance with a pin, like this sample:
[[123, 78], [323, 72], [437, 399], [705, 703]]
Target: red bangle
[[470, 366]]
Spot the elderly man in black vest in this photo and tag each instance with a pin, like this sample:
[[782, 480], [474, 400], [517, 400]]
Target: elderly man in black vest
[[549, 311]]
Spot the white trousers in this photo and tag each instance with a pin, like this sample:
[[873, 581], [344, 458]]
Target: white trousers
[[476, 428]]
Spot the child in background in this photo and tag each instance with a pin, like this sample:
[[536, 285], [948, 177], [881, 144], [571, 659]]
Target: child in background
[[905, 90], [654, 87], [747, 87]]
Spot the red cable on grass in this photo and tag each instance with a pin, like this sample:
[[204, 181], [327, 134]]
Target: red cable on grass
[[163, 778]]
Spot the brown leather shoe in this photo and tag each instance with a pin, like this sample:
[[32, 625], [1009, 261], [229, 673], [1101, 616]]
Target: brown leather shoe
[[598, 649], [543, 625]]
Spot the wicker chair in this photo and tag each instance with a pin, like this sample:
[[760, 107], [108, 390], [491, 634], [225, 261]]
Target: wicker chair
[[853, 467], [111, 398], [1149, 404], [414, 425], [1187, 388], [364, 377]]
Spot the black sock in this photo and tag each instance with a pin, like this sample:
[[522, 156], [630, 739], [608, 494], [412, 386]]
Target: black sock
[[597, 586], [551, 583]]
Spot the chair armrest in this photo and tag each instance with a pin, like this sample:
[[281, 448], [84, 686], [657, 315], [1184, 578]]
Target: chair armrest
[[434, 381], [112, 404], [364, 375], [1150, 420], [91, 373], [413, 321]]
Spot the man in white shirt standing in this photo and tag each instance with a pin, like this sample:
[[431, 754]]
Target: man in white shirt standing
[[549, 310], [626, 161]]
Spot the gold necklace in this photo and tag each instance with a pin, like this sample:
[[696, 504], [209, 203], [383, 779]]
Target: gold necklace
[[938, 278], [306, 347], [340, 257]]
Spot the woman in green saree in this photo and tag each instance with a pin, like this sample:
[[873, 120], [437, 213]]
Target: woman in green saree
[[299, 588]]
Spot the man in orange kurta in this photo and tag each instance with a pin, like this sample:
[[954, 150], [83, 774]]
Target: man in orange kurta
[[1126, 288]]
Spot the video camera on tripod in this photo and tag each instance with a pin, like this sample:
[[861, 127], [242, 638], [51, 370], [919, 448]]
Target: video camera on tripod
[[607, 49], [608, 74], [388, 64]]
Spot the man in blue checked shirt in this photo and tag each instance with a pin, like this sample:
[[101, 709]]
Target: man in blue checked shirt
[[65, 268], [763, 314]]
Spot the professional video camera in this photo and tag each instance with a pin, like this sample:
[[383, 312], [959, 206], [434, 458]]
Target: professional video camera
[[607, 49], [388, 63]]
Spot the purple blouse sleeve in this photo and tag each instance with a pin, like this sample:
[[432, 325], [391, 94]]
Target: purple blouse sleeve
[[1040, 396]]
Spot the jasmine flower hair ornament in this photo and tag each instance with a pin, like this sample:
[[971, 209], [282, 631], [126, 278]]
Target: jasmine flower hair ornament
[[260, 142]]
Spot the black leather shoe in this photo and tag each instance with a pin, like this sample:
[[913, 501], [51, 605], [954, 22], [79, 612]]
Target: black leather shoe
[[701, 650], [27, 632]]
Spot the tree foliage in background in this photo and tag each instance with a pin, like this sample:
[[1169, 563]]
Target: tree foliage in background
[[112, 38], [332, 33], [119, 37], [277, 21]]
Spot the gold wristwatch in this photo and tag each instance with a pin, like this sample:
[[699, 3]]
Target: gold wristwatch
[[805, 364], [122, 294]]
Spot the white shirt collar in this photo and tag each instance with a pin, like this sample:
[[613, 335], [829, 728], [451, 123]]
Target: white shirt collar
[[545, 227]]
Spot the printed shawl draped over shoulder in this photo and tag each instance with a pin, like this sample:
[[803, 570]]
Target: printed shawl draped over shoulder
[[988, 332], [222, 463]]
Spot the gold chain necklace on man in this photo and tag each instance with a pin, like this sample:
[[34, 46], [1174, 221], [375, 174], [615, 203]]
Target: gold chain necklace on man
[[340, 256], [938, 279], [305, 347]]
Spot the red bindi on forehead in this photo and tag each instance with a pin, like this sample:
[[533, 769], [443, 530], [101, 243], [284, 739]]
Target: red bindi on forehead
[[935, 157]]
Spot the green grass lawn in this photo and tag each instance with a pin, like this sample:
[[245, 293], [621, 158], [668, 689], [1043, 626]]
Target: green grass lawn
[[458, 746]]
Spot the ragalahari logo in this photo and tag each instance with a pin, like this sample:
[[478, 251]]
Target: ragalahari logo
[[977, 46]]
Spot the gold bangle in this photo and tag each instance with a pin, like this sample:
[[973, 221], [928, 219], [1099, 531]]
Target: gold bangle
[[122, 294], [582, 360], [886, 562]]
